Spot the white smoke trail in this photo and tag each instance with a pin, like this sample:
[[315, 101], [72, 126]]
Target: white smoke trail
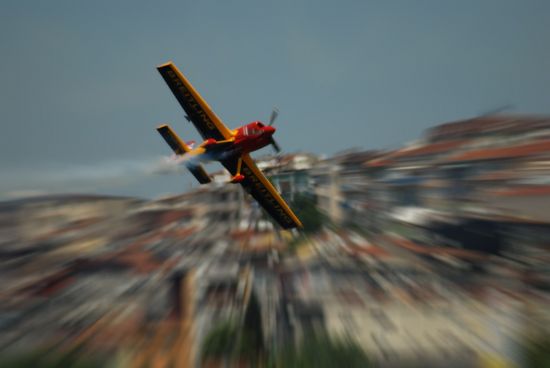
[[82, 178]]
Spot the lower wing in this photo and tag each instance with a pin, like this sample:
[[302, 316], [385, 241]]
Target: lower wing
[[259, 187]]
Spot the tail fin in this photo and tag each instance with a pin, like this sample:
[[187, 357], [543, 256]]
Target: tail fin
[[180, 148]]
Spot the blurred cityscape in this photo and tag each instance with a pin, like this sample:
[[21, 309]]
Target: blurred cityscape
[[435, 254]]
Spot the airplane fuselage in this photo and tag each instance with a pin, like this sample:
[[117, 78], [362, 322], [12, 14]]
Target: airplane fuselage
[[246, 139], [252, 137]]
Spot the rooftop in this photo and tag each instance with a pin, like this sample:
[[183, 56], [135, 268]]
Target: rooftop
[[524, 191], [524, 150], [487, 124]]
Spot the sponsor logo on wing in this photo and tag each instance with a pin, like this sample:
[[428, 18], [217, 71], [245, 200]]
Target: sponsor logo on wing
[[191, 101]]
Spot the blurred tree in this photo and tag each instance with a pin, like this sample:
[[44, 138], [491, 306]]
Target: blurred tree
[[229, 342], [251, 342], [305, 208], [219, 343], [321, 352], [537, 353], [52, 359]]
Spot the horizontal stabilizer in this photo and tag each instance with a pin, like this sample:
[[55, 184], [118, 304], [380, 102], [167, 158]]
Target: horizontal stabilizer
[[177, 145], [180, 148]]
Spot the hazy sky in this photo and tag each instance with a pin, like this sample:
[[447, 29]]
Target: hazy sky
[[80, 97]]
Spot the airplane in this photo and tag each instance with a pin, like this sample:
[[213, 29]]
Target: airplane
[[230, 147]]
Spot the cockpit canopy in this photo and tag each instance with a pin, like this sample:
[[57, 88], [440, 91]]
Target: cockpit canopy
[[254, 128]]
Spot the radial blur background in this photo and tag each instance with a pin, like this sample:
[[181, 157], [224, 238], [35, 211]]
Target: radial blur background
[[416, 151]]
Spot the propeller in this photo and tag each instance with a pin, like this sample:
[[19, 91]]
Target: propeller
[[273, 116], [275, 145]]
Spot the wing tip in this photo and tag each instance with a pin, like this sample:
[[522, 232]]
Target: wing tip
[[297, 224], [162, 127], [165, 65]]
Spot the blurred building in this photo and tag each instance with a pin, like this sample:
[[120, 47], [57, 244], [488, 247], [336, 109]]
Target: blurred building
[[290, 174], [343, 187], [469, 184], [144, 282]]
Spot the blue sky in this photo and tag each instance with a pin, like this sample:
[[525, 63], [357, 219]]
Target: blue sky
[[79, 92]]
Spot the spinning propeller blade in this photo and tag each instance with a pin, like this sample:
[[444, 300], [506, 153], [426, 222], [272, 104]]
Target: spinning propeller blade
[[275, 145], [273, 116]]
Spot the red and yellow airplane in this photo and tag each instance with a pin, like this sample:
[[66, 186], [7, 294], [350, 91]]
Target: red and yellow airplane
[[231, 147]]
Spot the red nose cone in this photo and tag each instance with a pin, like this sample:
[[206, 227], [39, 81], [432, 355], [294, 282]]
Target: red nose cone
[[269, 129]]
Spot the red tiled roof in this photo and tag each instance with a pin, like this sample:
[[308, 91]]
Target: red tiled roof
[[430, 149], [497, 175], [489, 123], [379, 162], [504, 152], [445, 251], [526, 190], [484, 123]]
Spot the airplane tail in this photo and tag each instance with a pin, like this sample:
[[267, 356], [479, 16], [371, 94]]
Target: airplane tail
[[181, 148]]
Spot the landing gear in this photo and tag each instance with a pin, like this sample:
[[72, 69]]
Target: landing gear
[[238, 177]]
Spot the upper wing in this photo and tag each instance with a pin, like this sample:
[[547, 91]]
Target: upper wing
[[200, 114], [263, 191]]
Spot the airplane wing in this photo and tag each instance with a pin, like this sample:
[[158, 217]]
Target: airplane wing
[[259, 187], [196, 108]]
